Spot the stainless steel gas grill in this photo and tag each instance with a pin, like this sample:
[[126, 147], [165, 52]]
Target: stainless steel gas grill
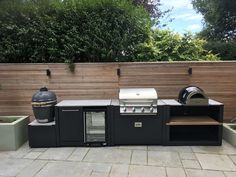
[[138, 101], [138, 117]]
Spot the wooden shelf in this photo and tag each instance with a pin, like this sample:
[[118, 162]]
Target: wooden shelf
[[192, 120]]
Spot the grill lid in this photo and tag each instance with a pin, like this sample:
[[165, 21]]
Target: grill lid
[[137, 101], [43, 95], [137, 94]]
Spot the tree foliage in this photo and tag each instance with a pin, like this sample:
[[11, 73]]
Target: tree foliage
[[220, 18], [165, 45], [220, 26]]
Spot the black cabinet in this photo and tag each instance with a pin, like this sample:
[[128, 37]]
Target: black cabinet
[[70, 126], [42, 135], [138, 129], [193, 125]]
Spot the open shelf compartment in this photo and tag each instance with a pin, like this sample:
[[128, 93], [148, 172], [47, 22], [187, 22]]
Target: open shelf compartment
[[199, 133], [192, 120]]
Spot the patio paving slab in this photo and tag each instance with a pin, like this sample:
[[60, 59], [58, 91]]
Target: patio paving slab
[[230, 174], [170, 148], [133, 147], [99, 174], [146, 171], [175, 172], [21, 152], [233, 158], [165, 159], [39, 149], [32, 169], [11, 167], [78, 154], [96, 167], [203, 173], [119, 170], [187, 156], [216, 162], [61, 169], [105, 155], [32, 155], [191, 164], [56, 153], [139, 157], [226, 148], [73, 169]]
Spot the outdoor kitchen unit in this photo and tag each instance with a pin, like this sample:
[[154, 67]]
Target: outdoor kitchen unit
[[138, 117]]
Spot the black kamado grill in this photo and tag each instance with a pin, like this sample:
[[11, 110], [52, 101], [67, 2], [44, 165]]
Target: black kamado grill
[[43, 103], [193, 95]]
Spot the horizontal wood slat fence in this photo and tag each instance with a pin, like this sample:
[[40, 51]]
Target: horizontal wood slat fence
[[18, 82]]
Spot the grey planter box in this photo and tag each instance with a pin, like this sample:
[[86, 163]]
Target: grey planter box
[[229, 133], [13, 131]]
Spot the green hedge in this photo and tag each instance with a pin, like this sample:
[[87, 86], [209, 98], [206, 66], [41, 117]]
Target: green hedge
[[71, 31]]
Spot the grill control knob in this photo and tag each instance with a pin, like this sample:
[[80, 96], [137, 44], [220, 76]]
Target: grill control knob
[[151, 109], [133, 109], [124, 109], [142, 109]]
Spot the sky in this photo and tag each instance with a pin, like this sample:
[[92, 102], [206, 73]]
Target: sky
[[184, 16]]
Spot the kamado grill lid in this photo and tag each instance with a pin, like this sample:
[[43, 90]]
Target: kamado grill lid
[[43, 95]]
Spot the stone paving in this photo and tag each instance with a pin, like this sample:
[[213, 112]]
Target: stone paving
[[120, 161]]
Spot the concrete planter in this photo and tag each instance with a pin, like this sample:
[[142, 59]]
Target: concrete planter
[[13, 131], [229, 133]]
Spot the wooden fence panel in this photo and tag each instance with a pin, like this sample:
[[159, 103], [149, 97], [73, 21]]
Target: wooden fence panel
[[18, 82]]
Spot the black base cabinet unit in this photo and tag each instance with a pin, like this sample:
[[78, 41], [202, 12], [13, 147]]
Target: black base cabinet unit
[[193, 125], [42, 135], [138, 129], [84, 123]]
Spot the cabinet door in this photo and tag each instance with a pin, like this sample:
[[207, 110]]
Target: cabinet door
[[71, 124]]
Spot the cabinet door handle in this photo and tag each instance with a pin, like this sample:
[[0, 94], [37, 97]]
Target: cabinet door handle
[[70, 110]]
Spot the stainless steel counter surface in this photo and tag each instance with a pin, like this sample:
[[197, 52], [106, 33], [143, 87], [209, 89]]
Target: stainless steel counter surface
[[71, 103], [115, 102], [173, 102]]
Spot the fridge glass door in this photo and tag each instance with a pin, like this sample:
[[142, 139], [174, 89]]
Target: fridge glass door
[[95, 126]]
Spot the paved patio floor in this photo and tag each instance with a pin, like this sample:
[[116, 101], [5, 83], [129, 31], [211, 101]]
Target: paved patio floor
[[120, 161]]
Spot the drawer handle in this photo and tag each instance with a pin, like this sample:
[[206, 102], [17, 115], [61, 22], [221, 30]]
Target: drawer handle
[[70, 110]]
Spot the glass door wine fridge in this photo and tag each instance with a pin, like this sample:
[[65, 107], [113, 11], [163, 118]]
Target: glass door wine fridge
[[95, 126]]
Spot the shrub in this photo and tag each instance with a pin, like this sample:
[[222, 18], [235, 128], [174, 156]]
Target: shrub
[[225, 49], [165, 45], [71, 30]]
